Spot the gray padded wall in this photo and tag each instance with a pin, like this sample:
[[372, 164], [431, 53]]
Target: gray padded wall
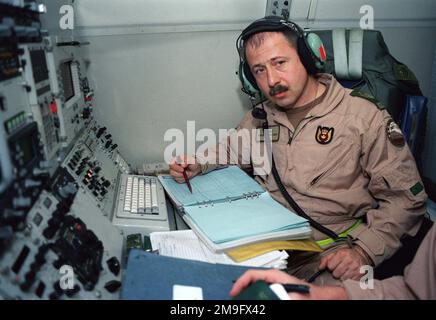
[[146, 84]]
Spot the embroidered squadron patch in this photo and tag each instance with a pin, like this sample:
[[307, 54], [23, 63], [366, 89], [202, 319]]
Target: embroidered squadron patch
[[324, 135], [394, 134]]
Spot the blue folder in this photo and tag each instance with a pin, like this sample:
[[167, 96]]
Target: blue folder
[[151, 277]]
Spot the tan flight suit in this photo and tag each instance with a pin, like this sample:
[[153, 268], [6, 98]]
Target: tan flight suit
[[350, 169], [418, 282]]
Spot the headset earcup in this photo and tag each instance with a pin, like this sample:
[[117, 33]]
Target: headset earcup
[[312, 53], [306, 56], [247, 79], [317, 49]]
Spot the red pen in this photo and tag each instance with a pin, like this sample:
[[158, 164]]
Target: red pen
[[187, 180]]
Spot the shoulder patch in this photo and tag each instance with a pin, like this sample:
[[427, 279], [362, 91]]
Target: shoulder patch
[[367, 96], [394, 134]]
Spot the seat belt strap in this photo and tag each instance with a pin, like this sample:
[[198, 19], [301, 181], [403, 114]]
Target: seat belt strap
[[355, 51], [340, 53]]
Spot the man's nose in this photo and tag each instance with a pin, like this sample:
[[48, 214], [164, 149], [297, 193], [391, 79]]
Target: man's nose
[[273, 78]]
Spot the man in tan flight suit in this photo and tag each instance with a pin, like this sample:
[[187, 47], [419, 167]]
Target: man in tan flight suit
[[343, 161], [418, 282]]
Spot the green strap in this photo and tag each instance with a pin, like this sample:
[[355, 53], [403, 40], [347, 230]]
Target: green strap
[[367, 96], [328, 241]]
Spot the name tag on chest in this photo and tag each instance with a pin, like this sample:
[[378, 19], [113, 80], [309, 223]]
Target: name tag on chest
[[274, 133]]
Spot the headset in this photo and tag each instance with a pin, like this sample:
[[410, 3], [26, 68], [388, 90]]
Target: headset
[[309, 47]]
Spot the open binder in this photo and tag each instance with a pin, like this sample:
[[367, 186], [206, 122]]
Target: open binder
[[228, 209]]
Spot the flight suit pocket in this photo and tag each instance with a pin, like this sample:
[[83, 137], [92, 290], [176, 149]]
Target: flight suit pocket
[[399, 184], [337, 166]]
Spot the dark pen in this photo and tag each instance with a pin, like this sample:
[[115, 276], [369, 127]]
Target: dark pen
[[299, 288]]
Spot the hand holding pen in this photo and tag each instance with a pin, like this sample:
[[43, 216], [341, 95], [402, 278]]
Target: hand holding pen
[[185, 176], [295, 288], [184, 168]]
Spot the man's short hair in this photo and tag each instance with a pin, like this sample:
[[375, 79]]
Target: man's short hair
[[256, 40]]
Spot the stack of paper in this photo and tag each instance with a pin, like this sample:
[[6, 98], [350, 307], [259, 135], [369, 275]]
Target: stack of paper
[[186, 245]]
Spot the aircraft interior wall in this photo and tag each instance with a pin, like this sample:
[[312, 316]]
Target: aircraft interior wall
[[156, 68]]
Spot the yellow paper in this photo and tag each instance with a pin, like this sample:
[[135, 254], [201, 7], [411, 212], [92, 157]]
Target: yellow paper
[[253, 250]]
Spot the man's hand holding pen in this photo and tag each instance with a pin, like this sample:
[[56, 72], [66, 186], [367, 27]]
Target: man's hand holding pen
[[183, 168]]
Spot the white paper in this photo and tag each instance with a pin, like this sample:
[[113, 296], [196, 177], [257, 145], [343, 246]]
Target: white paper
[[187, 292], [186, 245]]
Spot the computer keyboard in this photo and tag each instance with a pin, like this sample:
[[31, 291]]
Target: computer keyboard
[[141, 197]]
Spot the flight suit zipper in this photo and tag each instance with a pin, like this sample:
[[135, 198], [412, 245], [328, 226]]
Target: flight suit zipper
[[291, 136], [316, 179]]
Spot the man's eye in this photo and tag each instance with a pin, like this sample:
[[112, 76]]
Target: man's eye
[[258, 71]]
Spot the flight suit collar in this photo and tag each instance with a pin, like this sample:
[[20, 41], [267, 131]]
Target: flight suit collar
[[335, 94]]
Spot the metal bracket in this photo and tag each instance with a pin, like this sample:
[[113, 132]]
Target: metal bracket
[[280, 8]]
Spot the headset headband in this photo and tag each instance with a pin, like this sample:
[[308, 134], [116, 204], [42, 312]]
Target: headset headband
[[271, 23]]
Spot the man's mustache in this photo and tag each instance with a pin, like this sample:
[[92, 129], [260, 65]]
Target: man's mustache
[[277, 89]]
